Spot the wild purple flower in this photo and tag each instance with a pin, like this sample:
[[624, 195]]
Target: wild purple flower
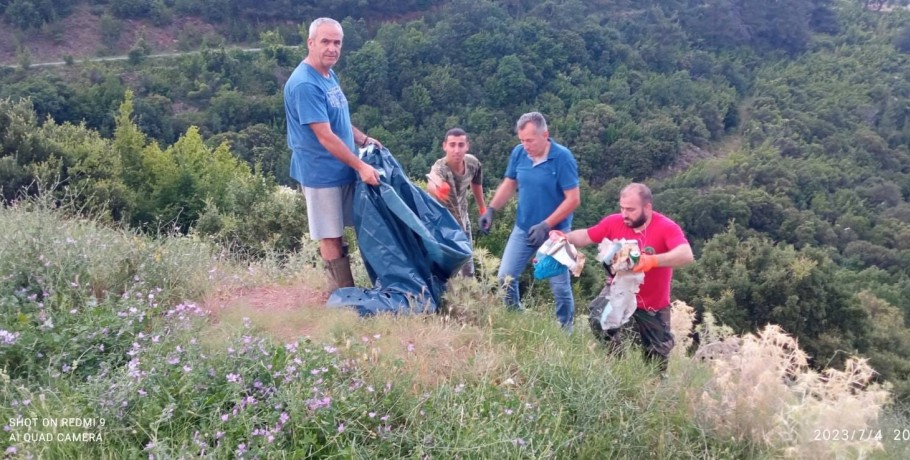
[[241, 449], [141, 392], [74, 311], [7, 337], [150, 445], [7, 428], [133, 368], [233, 378], [507, 411], [101, 347], [519, 442], [66, 368], [341, 427], [384, 418], [459, 388], [174, 360], [330, 349], [319, 403], [187, 368], [155, 338], [371, 414], [284, 417], [370, 389], [219, 435], [26, 402], [365, 339], [11, 450], [291, 347], [224, 417]]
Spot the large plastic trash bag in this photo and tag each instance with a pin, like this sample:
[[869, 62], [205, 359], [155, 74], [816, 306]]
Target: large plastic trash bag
[[411, 245]]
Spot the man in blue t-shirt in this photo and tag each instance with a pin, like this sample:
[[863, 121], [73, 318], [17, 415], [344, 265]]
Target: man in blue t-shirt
[[322, 142], [545, 175]]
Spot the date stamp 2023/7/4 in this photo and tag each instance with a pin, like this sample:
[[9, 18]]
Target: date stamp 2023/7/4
[[860, 434]]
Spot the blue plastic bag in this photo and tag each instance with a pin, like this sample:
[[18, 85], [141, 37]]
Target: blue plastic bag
[[411, 245], [548, 267]]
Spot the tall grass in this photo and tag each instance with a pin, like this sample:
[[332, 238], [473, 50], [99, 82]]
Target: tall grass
[[104, 324]]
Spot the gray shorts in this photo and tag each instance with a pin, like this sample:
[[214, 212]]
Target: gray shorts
[[329, 210]]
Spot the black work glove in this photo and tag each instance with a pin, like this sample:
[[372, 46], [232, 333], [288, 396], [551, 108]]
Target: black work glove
[[486, 220], [538, 234]]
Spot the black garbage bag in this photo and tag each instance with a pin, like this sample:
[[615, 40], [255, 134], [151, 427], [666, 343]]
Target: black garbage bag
[[411, 245]]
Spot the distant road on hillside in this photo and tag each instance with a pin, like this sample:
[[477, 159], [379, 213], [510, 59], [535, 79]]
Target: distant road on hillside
[[123, 58]]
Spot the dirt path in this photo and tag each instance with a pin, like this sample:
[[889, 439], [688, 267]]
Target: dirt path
[[285, 310], [123, 58]]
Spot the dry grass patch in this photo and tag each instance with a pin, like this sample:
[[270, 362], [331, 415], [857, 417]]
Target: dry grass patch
[[761, 390], [429, 350]]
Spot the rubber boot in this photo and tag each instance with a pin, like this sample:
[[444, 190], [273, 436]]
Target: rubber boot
[[339, 273]]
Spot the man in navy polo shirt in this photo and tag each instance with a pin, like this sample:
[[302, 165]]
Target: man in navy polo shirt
[[545, 175]]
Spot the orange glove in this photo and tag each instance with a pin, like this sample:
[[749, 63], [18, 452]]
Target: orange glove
[[645, 263], [442, 191], [482, 210]]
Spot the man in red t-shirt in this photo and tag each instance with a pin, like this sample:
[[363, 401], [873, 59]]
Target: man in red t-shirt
[[663, 247]]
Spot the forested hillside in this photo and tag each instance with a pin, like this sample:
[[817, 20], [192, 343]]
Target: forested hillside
[[777, 133]]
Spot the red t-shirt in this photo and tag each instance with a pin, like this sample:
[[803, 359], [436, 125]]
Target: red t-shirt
[[660, 236]]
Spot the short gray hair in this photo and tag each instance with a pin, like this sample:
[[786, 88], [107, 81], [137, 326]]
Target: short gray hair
[[532, 117], [318, 22]]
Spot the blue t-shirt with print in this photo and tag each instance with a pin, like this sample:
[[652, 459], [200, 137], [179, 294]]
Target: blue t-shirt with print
[[310, 97], [541, 188]]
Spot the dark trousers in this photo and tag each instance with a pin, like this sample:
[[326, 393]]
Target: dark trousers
[[653, 328]]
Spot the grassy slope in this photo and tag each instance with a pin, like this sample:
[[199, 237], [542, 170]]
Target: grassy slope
[[298, 379]]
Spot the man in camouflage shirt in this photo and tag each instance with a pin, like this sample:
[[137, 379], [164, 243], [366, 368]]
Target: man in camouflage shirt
[[452, 176]]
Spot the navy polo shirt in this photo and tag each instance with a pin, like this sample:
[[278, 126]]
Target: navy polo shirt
[[541, 188]]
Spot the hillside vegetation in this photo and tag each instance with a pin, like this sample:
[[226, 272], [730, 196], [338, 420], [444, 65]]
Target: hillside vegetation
[[777, 134]]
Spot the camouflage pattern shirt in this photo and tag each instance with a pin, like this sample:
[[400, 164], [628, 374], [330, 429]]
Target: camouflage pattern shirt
[[460, 187]]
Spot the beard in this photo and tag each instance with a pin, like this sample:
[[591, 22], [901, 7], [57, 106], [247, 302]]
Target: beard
[[637, 222]]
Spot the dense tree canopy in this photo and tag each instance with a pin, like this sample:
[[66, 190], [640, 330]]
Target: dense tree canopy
[[776, 133]]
